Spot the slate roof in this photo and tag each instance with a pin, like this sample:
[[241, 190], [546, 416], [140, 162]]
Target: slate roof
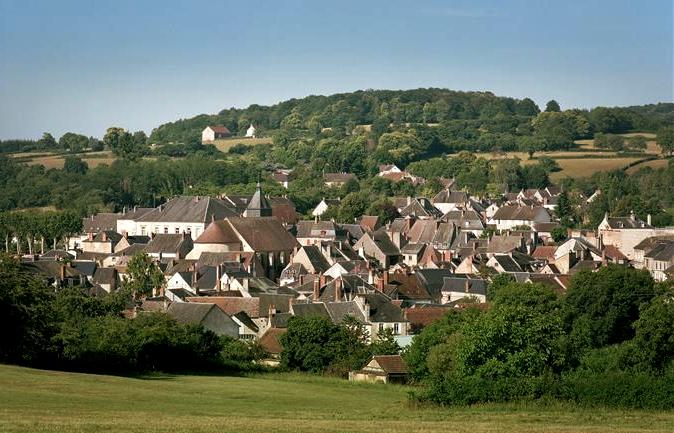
[[470, 286], [169, 243], [313, 309], [421, 207], [86, 267], [105, 276], [413, 248], [525, 213], [447, 196], [246, 320], [433, 279], [338, 311], [627, 223], [316, 258], [99, 222], [280, 302], [188, 312], [382, 310], [504, 243], [189, 209], [507, 263], [662, 252]]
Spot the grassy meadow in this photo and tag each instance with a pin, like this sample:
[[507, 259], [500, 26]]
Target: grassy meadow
[[50, 401]]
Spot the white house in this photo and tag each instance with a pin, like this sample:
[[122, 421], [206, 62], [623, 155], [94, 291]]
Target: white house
[[212, 133], [250, 132]]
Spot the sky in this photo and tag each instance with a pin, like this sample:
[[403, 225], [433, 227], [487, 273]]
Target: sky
[[82, 66]]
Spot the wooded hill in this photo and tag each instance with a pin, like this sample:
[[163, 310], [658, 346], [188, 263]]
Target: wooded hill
[[382, 107]]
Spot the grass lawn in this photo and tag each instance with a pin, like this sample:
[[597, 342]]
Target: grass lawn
[[48, 401]]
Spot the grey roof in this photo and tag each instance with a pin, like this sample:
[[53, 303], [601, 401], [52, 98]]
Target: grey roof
[[189, 209], [315, 309], [662, 252], [525, 213], [338, 311], [507, 263], [351, 285], [627, 223], [190, 312], [317, 260], [383, 310], [57, 254], [470, 286], [433, 279], [280, 302], [99, 222], [384, 243], [246, 320], [86, 267], [105, 276], [413, 248], [169, 243], [259, 203], [319, 229], [447, 196], [421, 207]]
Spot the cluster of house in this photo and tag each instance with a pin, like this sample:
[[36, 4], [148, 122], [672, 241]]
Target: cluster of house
[[244, 265]]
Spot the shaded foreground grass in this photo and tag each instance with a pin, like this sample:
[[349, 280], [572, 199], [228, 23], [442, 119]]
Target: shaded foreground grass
[[48, 401]]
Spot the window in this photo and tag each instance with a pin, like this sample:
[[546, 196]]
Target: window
[[165, 230], [396, 329], [156, 229], [143, 230], [381, 326], [177, 230], [189, 230]]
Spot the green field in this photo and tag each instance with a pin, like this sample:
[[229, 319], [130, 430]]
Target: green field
[[49, 401]]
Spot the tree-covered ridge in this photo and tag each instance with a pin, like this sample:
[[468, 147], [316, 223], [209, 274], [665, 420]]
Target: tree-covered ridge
[[381, 107]]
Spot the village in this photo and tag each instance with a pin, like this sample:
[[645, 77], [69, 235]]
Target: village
[[242, 266]]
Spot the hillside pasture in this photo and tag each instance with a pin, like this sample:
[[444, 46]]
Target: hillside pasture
[[50, 401], [223, 145], [651, 146]]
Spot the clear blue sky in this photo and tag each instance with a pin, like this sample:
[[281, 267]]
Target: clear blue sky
[[82, 66]]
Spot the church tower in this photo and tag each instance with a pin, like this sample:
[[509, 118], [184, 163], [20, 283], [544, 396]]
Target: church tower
[[259, 206]]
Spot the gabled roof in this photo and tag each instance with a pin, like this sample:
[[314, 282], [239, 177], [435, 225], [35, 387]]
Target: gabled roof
[[218, 232], [525, 213], [317, 260], [662, 252], [190, 210], [244, 318], [507, 263], [469, 286], [264, 234], [629, 222], [433, 279], [230, 304], [447, 196], [169, 243], [339, 311], [99, 222], [421, 207], [270, 340], [313, 309], [220, 129], [189, 313], [420, 315], [391, 364], [382, 310], [544, 252]]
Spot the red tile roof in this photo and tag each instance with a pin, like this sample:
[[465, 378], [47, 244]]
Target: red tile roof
[[391, 364], [420, 317], [269, 341]]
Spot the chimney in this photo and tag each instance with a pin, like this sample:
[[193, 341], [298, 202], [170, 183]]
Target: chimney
[[648, 219], [338, 289], [385, 277], [632, 217], [90, 236], [62, 272], [317, 290], [195, 276], [218, 276], [113, 285], [409, 200], [272, 311], [321, 280], [467, 285]]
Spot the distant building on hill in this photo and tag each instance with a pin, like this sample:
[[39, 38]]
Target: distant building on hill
[[212, 133]]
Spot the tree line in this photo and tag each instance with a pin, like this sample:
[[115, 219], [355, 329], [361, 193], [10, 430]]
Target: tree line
[[607, 341]]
